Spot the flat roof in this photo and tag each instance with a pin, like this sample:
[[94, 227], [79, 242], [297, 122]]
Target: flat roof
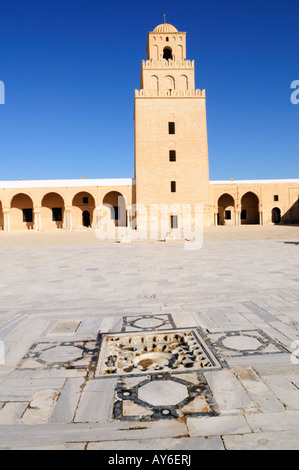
[[255, 181], [66, 183], [82, 182]]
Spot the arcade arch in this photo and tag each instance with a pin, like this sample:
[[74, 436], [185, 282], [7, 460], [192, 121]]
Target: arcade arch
[[226, 210], [83, 207], [21, 212], [117, 204], [250, 209], [52, 211]]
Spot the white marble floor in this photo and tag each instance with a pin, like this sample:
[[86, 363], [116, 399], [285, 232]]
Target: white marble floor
[[57, 302]]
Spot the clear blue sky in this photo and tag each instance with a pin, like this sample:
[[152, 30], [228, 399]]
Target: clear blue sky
[[70, 68]]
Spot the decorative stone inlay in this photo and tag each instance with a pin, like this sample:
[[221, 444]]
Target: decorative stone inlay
[[148, 322], [239, 343], [242, 343], [61, 355], [163, 392], [177, 350], [163, 396]]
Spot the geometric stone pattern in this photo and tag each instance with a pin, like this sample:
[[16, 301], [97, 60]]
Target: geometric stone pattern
[[163, 396], [148, 322], [238, 343], [137, 353], [60, 355]]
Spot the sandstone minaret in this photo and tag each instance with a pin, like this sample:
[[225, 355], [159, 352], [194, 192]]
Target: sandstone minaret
[[171, 150]]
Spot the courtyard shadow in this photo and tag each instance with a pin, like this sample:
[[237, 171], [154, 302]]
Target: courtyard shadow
[[291, 217]]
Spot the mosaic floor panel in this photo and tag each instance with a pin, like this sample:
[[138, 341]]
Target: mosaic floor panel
[[242, 343], [148, 322], [163, 396], [60, 355]]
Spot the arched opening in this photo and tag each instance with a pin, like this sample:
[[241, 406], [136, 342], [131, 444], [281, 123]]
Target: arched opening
[[226, 210], [183, 82], [179, 55], [117, 204], [1, 217], [250, 209], [167, 53], [154, 83], [21, 212], [276, 215], [169, 83], [52, 211], [83, 204], [86, 219]]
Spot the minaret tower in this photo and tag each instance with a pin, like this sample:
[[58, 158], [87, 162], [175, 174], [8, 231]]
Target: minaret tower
[[171, 150]]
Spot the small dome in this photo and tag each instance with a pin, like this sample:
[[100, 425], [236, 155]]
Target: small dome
[[165, 28]]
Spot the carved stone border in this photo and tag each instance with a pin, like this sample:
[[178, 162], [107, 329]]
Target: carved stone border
[[200, 389]]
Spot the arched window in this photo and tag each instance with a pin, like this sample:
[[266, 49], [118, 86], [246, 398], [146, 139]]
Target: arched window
[[179, 55], [183, 82], [167, 53], [154, 83], [169, 82]]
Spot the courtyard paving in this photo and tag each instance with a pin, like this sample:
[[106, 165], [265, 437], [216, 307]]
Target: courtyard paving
[[234, 302]]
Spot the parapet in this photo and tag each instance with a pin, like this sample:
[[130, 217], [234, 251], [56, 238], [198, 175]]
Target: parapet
[[170, 93], [167, 64]]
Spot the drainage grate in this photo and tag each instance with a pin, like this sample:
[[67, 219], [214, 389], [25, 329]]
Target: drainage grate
[[173, 350]]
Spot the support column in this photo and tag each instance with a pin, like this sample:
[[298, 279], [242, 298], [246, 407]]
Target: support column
[[238, 217], [68, 219], [216, 219], [6, 219], [261, 215], [37, 219], [128, 218]]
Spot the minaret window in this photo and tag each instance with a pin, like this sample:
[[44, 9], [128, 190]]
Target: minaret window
[[167, 53], [171, 128], [173, 186], [172, 155]]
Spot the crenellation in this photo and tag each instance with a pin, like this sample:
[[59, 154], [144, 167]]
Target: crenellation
[[170, 93], [156, 64]]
